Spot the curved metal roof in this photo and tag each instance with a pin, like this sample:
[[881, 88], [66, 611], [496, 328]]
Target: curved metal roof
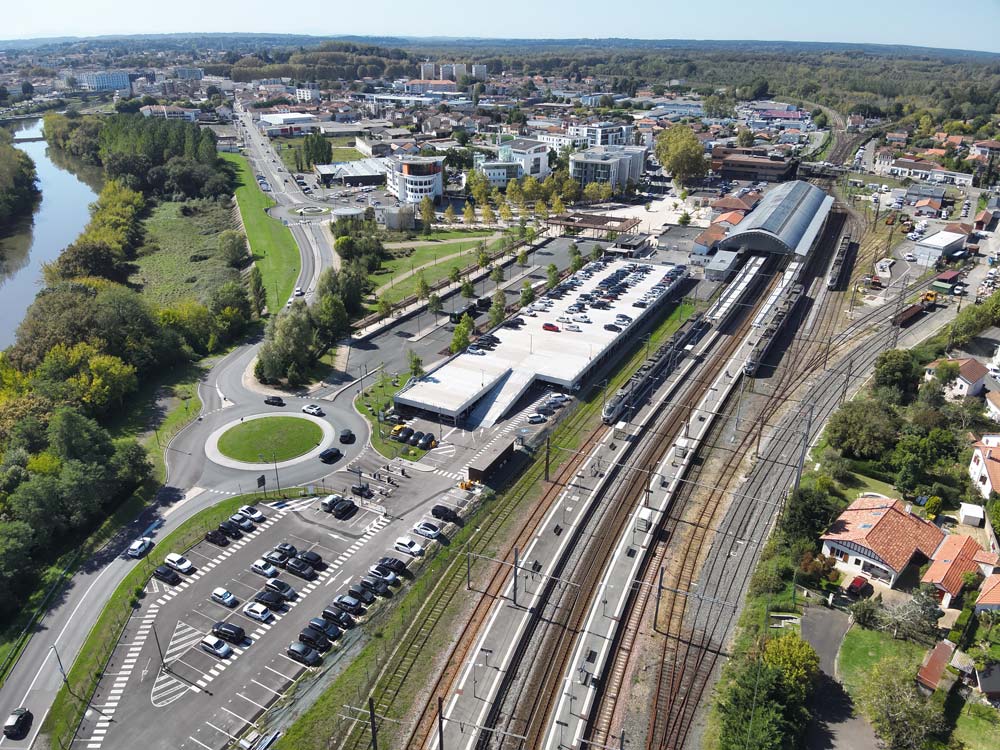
[[786, 220]]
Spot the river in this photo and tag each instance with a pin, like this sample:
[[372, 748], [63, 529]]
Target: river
[[68, 188]]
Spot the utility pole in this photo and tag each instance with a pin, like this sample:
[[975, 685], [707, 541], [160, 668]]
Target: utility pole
[[515, 576], [371, 716], [440, 726], [847, 379], [546, 459], [899, 307], [805, 448]]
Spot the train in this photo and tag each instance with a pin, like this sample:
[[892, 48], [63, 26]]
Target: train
[[659, 364], [837, 266], [775, 321]]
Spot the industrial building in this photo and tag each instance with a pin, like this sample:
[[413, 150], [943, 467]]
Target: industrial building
[[359, 172], [930, 249], [288, 123], [788, 221]]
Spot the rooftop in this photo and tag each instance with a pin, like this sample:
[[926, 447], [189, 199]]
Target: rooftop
[[953, 559], [787, 220]]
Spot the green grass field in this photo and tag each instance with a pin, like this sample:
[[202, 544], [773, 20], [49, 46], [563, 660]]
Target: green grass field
[[273, 438], [421, 255], [271, 242], [180, 259], [343, 150], [446, 234], [862, 649]]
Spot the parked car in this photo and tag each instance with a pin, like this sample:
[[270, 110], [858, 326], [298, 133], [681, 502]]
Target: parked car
[[179, 563], [326, 627], [224, 597], [330, 455], [362, 594], [315, 638], [230, 529], [281, 588], [394, 564], [229, 632], [407, 546], [269, 599], [263, 568], [217, 537], [536, 418], [276, 557], [287, 549], [309, 557], [330, 501], [550, 327], [444, 513], [167, 575], [253, 513], [243, 522], [257, 611], [479, 352], [300, 568], [612, 327], [140, 547], [274, 401], [859, 586], [384, 574], [415, 438], [427, 442], [304, 654], [348, 603], [215, 646], [403, 435], [427, 529], [344, 509], [338, 617], [376, 585]]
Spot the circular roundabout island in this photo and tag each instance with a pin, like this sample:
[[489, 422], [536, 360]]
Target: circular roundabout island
[[270, 439]]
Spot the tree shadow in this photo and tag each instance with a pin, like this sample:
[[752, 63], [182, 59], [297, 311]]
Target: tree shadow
[[830, 706]]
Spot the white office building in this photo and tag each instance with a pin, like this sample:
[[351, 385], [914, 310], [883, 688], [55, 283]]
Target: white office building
[[189, 74], [515, 159], [307, 92], [104, 81], [412, 178], [480, 72], [603, 134], [618, 165], [559, 141], [427, 70]]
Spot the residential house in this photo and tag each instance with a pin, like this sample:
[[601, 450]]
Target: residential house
[[970, 381], [896, 138], [879, 537], [955, 556], [986, 148], [984, 467], [989, 594]]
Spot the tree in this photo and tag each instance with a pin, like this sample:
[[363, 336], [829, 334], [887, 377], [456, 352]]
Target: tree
[[258, 295], [915, 618], [867, 612], [745, 138], [863, 428], [468, 289], [798, 663], [896, 368], [596, 252], [423, 288], [426, 214], [551, 276], [900, 715], [449, 215], [541, 210], [557, 205], [329, 318], [468, 214], [384, 307], [527, 293], [575, 258], [482, 257], [522, 257], [592, 192], [414, 363], [489, 218], [496, 276], [680, 153], [505, 213], [463, 332], [684, 219], [454, 274], [808, 512], [233, 248], [498, 309], [750, 709]]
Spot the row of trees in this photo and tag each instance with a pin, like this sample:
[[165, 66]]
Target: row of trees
[[18, 190], [315, 149]]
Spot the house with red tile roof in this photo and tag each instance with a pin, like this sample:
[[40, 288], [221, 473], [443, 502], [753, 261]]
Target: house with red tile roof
[[744, 203], [984, 467], [970, 381], [933, 669], [732, 218], [955, 556], [879, 537], [989, 594]]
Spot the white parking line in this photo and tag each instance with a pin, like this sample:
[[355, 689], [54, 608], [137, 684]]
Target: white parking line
[[193, 739], [221, 731], [280, 674], [268, 689], [248, 700], [248, 721]]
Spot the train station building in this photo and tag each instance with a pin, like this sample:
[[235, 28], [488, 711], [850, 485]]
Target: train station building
[[787, 221]]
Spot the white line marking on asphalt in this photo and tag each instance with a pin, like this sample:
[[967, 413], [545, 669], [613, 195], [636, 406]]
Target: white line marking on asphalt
[[248, 700], [199, 742], [268, 689], [248, 721], [221, 731], [280, 674]]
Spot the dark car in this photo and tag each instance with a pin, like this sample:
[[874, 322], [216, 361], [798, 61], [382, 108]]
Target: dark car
[[344, 508], [331, 455], [315, 638], [281, 588], [276, 557], [304, 654], [346, 436], [348, 603], [444, 513], [310, 558], [244, 523], [362, 490], [274, 401], [216, 537], [612, 327], [227, 631], [427, 442], [362, 594], [394, 564], [167, 575], [301, 568], [269, 599], [287, 549], [339, 617], [404, 434], [415, 438], [17, 724], [230, 529], [327, 628], [376, 585], [548, 411]]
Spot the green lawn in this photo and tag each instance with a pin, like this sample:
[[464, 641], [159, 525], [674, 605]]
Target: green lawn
[[377, 395], [859, 483], [346, 154], [976, 726], [444, 234], [274, 438], [862, 649], [271, 242], [180, 259], [343, 150], [398, 266]]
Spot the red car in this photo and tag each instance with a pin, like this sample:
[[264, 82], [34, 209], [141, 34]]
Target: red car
[[858, 586], [550, 327]]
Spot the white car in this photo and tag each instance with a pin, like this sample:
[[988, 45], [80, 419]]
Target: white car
[[475, 350], [252, 513], [408, 546], [299, 292], [140, 547], [573, 327], [910, 257], [178, 562], [537, 418], [263, 568], [561, 397], [224, 597], [427, 529], [312, 409], [215, 646], [257, 611], [563, 319]]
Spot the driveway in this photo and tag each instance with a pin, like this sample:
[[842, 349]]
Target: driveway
[[834, 724]]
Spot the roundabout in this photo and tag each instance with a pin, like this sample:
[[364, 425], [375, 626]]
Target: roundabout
[[268, 440]]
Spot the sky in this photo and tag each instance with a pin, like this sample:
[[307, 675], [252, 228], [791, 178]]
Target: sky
[[972, 24]]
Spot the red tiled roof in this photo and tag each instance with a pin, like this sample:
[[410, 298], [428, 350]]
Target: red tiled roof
[[711, 236], [986, 558], [887, 529], [933, 669], [953, 559], [989, 592], [730, 217], [991, 459], [970, 370]]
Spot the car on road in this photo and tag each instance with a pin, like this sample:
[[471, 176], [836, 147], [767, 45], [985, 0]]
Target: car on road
[[537, 418], [274, 401], [348, 603], [17, 724], [281, 588], [383, 573], [477, 351], [243, 522], [179, 563], [427, 529], [362, 594], [263, 568], [257, 611], [407, 546], [910, 257], [315, 638], [299, 292], [224, 597], [330, 455], [276, 557], [346, 436], [994, 372], [217, 538], [326, 627], [230, 529], [140, 547], [444, 513], [300, 568], [427, 442], [304, 654], [215, 646], [252, 512], [167, 575], [550, 327], [313, 409], [229, 632]]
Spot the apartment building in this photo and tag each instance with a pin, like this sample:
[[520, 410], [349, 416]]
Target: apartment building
[[617, 165], [412, 178], [603, 134], [113, 80]]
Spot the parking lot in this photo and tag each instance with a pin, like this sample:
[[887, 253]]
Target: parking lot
[[159, 671]]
